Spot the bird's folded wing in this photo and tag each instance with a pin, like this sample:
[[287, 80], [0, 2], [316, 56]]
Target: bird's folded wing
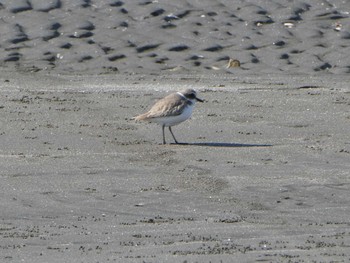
[[171, 108], [167, 107]]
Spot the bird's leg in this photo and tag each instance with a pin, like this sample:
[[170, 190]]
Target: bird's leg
[[163, 134], [173, 135]]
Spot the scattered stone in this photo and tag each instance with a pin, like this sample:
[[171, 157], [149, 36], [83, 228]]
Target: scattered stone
[[168, 26], [51, 35], [20, 36], [170, 17], [117, 3], [84, 58], [214, 48], [124, 11], [325, 66], [66, 46], [116, 57], [284, 56], [179, 48], [279, 43], [158, 12], [86, 3], [21, 6], [45, 6], [124, 24], [87, 25], [55, 26], [15, 56], [146, 48], [83, 34]]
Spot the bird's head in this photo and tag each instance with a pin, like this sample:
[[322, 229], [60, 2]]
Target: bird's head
[[191, 95]]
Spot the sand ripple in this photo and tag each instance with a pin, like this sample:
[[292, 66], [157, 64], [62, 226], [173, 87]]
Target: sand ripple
[[151, 37]]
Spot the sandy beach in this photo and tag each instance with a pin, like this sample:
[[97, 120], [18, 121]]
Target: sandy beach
[[263, 174], [264, 177]]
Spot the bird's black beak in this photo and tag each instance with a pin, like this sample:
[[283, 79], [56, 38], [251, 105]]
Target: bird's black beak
[[200, 100]]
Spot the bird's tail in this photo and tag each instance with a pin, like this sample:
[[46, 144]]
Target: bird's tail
[[140, 117]]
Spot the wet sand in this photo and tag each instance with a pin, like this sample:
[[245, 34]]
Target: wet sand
[[263, 176]]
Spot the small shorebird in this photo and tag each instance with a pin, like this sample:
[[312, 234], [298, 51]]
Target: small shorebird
[[171, 110]]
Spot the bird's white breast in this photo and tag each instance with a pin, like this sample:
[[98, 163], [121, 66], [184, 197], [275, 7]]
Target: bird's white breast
[[174, 120]]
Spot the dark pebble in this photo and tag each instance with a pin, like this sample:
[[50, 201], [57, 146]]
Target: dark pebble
[[168, 26], [19, 39], [324, 67], [296, 51], [131, 44], [264, 22], [214, 48], [82, 35], [124, 11], [86, 3], [262, 12], [147, 2], [179, 48], [195, 57], [52, 35], [50, 58], [85, 58], [336, 17], [55, 26], [255, 60], [280, 43], [116, 57], [183, 14], [161, 60], [284, 56], [55, 5], [124, 24], [212, 14], [251, 47], [295, 18], [324, 14], [107, 50], [111, 69], [117, 3], [13, 57], [87, 25], [158, 12], [170, 18], [146, 48], [22, 8], [224, 58], [66, 46]]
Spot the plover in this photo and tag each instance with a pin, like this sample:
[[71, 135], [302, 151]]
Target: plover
[[171, 110]]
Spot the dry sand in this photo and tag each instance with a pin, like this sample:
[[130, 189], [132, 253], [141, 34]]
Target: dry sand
[[265, 173], [265, 176]]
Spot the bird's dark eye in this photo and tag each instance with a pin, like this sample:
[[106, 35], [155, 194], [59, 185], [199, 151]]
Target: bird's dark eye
[[191, 96]]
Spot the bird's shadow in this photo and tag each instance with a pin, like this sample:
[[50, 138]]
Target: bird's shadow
[[221, 144]]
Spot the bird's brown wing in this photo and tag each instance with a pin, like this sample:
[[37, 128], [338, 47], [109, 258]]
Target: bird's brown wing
[[168, 106]]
